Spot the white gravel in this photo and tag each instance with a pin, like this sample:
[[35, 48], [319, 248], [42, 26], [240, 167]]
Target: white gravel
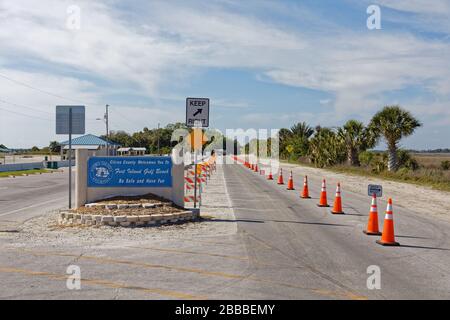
[[44, 230]]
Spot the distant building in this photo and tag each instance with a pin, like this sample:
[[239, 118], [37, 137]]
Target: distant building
[[90, 142], [131, 151]]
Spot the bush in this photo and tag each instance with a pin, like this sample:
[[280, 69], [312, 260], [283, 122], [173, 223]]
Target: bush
[[366, 158], [378, 166], [445, 165], [405, 160]]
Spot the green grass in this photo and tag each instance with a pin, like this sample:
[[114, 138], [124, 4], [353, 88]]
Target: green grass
[[19, 173]]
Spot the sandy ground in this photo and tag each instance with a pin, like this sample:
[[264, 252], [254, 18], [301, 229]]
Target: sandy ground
[[420, 199], [44, 230]]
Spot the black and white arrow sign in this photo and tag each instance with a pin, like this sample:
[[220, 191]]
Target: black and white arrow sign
[[197, 112]]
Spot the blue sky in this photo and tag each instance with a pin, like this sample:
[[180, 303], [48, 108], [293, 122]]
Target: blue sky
[[264, 64]]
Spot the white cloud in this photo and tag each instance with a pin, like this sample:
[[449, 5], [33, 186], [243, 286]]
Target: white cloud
[[141, 49]]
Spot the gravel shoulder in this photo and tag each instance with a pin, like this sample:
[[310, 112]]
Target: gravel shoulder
[[217, 220]]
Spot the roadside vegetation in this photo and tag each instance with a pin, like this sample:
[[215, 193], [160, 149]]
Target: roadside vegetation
[[19, 173], [160, 139], [350, 149]]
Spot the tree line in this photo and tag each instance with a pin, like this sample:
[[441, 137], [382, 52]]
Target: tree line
[[325, 147]]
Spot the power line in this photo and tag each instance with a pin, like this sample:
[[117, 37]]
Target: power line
[[23, 106], [37, 89], [124, 117], [25, 115]]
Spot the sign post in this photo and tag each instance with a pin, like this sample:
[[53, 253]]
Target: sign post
[[197, 116], [70, 120]]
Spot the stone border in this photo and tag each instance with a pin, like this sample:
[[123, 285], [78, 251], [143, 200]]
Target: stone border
[[75, 219], [113, 206]]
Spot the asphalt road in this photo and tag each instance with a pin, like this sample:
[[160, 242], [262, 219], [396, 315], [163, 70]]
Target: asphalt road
[[25, 197], [284, 248], [330, 252]]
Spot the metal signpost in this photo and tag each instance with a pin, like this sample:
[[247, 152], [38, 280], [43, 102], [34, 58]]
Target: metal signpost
[[197, 116], [70, 120], [375, 189]]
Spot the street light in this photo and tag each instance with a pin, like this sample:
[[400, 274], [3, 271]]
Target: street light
[[106, 120]]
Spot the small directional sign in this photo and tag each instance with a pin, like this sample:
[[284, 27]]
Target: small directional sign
[[197, 112], [375, 189]]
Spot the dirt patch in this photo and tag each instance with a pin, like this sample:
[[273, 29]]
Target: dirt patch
[[148, 204], [147, 198], [164, 209]]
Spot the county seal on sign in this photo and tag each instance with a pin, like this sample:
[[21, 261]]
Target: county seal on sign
[[101, 172]]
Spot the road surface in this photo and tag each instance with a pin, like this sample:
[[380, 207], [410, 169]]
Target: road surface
[[22, 198], [284, 248], [330, 251]]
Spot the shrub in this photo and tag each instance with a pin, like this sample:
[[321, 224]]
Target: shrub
[[445, 165], [366, 158], [405, 160]]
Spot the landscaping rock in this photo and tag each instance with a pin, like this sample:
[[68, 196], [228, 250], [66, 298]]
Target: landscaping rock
[[120, 219], [146, 218]]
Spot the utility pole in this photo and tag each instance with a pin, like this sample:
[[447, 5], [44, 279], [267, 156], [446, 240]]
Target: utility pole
[[159, 152], [107, 129]]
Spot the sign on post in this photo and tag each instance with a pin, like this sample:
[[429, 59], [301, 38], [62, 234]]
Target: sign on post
[[197, 111], [70, 120], [375, 189], [131, 172], [63, 123]]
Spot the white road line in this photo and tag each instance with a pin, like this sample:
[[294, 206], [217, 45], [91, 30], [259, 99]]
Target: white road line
[[30, 207]]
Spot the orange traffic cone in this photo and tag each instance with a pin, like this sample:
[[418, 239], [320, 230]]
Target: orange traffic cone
[[270, 176], [372, 225], [252, 167], [337, 208], [280, 177], [388, 236], [256, 168], [305, 193], [290, 182], [323, 195]]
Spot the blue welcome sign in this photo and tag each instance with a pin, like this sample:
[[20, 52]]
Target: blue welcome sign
[[104, 172]]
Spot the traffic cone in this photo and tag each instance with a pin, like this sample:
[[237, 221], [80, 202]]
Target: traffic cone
[[256, 168], [280, 177], [252, 167], [270, 176], [337, 208], [305, 193], [290, 182], [323, 195], [372, 225], [388, 236]]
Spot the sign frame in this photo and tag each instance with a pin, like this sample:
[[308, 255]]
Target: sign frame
[[130, 172], [78, 122], [375, 189], [204, 119]]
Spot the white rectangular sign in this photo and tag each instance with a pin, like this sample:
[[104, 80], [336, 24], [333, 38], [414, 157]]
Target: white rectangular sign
[[62, 119], [197, 111], [375, 189]]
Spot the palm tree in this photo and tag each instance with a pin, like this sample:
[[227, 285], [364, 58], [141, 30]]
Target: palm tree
[[302, 130], [393, 123], [326, 149], [356, 139]]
